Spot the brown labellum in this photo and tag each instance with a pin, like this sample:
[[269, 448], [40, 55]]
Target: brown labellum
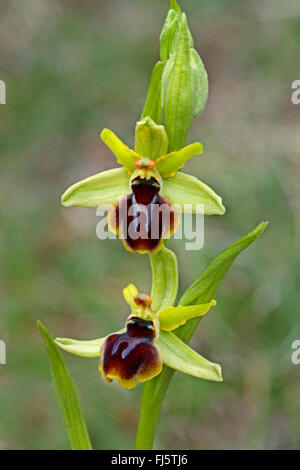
[[144, 217], [131, 356]]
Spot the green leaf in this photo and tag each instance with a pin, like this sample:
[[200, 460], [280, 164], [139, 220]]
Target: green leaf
[[205, 286], [67, 395], [164, 279], [177, 355], [125, 156], [150, 139], [103, 189], [172, 317], [153, 104], [169, 164], [184, 189]]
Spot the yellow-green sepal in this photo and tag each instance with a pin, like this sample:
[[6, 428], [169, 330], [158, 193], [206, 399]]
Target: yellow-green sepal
[[190, 195], [168, 165], [87, 349], [177, 355], [150, 139], [102, 189], [125, 156], [173, 317]]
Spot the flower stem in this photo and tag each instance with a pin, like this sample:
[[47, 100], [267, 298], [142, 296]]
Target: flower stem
[[153, 396], [154, 393]]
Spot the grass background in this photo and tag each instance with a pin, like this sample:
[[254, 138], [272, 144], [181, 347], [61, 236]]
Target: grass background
[[74, 67]]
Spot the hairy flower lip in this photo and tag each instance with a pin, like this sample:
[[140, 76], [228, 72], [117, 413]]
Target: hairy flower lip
[[143, 218], [131, 356]]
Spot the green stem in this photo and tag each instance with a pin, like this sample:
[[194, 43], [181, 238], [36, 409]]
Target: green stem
[[154, 393], [164, 292], [153, 396]]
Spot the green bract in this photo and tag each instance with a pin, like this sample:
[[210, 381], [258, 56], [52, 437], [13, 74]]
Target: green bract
[[178, 88]]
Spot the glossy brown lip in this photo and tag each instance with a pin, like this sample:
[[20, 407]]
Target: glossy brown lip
[[147, 215], [131, 356]]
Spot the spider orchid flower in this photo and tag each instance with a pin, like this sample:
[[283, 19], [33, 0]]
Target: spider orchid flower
[[137, 353], [146, 194]]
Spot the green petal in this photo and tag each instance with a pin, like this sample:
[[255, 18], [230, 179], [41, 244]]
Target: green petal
[[86, 349], [177, 355], [169, 164], [164, 279], [102, 189], [172, 317], [125, 156], [153, 104], [150, 139], [129, 293], [185, 189]]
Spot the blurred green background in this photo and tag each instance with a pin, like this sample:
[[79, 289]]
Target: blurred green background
[[74, 67]]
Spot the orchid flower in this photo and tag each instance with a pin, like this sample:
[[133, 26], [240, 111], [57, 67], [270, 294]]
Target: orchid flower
[[148, 178], [137, 352]]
